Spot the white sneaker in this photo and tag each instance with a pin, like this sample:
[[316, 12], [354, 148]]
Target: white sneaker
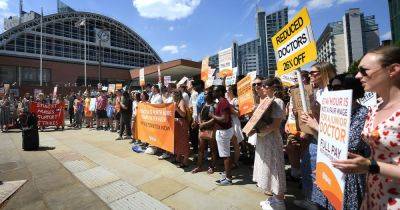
[[224, 182], [150, 150], [273, 204], [262, 203], [163, 156]]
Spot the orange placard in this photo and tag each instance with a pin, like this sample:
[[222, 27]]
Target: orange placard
[[327, 182], [245, 95], [118, 86], [155, 125], [225, 72], [204, 69]]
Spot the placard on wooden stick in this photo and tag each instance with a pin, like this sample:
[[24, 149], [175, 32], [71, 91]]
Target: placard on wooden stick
[[298, 107], [257, 115]]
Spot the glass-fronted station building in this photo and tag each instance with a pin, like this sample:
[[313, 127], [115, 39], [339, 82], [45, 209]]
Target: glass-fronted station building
[[112, 49]]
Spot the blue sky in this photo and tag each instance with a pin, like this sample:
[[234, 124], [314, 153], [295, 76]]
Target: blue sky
[[192, 29]]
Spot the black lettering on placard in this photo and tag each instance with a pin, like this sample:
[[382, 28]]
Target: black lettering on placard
[[296, 61], [292, 46], [296, 25]]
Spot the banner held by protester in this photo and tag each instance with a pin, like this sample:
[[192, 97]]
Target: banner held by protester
[[155, 125], [333, 140], [48, 114]]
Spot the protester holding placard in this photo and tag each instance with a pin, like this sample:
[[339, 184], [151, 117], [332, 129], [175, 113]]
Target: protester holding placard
[[88, 114], [101, 113], [269, 164], [320, 75], [354, 183], [182, 148], [379, 71]]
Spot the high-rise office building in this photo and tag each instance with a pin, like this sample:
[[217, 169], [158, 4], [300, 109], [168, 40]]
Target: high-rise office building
[[258, 54], [346, 41], [248, 59], [267, 25], [394, 9]]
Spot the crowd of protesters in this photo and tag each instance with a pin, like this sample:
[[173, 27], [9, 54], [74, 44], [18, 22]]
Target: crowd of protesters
[[210, 126]]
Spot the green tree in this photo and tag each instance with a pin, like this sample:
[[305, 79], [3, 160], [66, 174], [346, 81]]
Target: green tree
[[353, 68], [397, 43]]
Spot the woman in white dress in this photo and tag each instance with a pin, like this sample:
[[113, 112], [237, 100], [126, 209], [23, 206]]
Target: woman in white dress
[[269, 168], [237, 128]]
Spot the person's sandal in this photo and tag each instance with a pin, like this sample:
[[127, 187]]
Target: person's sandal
[[196, 170]]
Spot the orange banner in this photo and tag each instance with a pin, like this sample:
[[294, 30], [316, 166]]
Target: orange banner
[[155, 125], [245, 95]]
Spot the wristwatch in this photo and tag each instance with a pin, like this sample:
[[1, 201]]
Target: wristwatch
[[373, 167]]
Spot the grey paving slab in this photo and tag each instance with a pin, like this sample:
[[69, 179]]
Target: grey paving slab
[[96, 177], [114, 191], [138, 200], [76, 166]]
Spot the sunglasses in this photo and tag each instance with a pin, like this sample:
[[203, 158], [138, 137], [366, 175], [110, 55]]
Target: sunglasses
[[314, 72], [363, 71], [257, 84]]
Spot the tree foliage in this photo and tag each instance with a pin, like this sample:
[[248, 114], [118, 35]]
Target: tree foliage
[[353, 68]]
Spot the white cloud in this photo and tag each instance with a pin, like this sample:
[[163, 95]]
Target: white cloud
[[387, 36], [320, 4], [291, 3], [183, 46], [172, 49], [166, 9], [347, 1], [171, 28], [3, 4], [4, 13]]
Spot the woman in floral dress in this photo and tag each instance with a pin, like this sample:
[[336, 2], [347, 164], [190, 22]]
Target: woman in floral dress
[[379, 71]]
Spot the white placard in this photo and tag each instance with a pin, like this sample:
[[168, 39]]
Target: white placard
[[225, 59], [253, 75], [369, 100], [141, 77], [92, 106], [230, 80], [333, 141], [167, 80]]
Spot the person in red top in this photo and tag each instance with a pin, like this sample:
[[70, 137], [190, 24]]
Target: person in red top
[[101, 113], [224, 132]]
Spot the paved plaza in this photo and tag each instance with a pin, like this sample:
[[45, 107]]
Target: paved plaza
[[88, 169]]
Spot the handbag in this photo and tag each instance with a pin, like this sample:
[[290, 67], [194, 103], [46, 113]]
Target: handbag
[[206, 134]]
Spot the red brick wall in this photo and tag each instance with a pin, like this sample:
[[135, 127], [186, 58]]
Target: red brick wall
[[62, 72]]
